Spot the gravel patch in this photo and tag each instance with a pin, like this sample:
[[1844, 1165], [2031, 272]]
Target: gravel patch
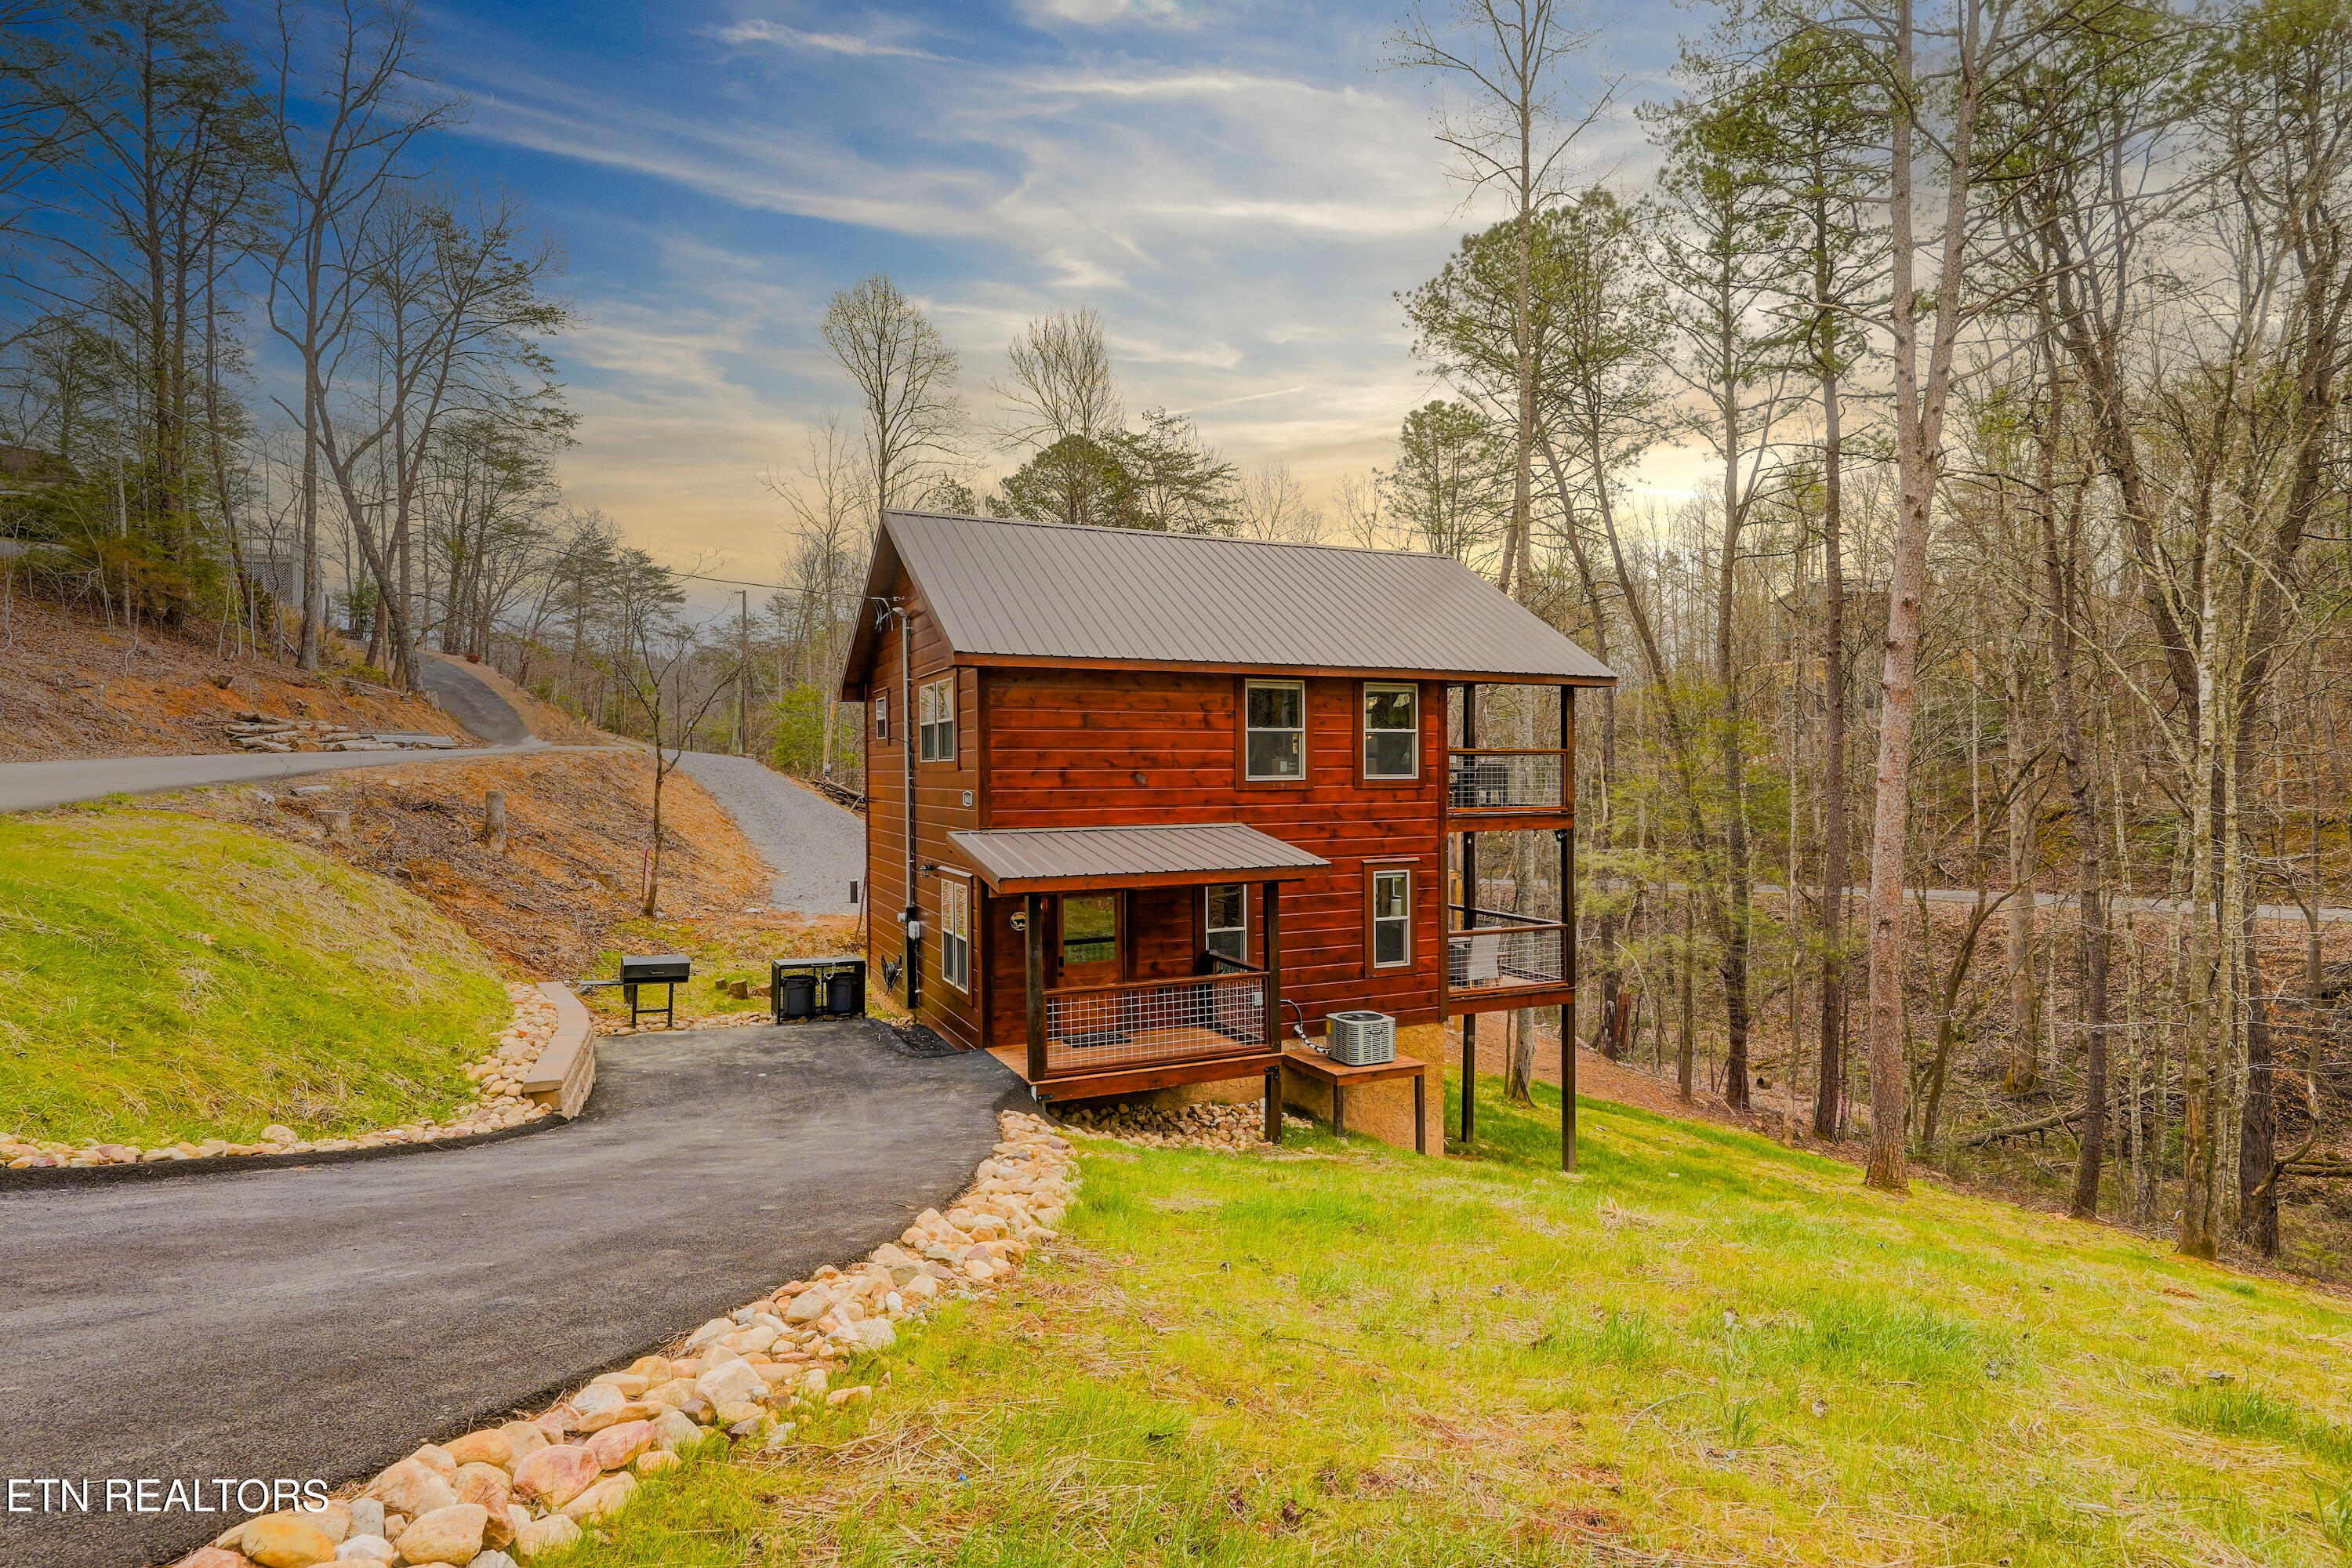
[[816, 848]]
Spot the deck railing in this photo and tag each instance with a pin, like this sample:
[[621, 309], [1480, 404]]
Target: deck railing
[[1090, 1028], [1489, 779], [1504, 952]]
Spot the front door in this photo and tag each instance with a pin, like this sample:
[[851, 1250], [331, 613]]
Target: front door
[[1090, 956]]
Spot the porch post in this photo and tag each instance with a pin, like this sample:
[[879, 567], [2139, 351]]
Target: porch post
[[1469, 918], [1034, 912], [1568, 937], [1272, 920]]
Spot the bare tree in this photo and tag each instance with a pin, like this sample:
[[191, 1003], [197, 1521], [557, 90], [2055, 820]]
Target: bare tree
[[342, 118], [1061, 383], [905, 375], [1509, 59]]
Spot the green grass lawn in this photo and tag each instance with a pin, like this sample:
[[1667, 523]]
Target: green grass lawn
[[1708, 1348], [165, 977]]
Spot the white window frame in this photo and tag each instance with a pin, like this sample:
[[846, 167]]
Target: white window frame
[[1249, 773], [881, 715], [1411, 731], [955, 932], [935, 718], [1209, 934], [1374, 920]]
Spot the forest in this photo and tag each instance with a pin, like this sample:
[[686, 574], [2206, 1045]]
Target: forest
[[1974, 789]]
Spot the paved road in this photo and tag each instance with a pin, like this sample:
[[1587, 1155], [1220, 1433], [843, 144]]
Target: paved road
[[324, 1321], [815, 848], [471, 701], [30, 786]]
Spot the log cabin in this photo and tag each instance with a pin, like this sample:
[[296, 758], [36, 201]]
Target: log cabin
[[1170, 792]]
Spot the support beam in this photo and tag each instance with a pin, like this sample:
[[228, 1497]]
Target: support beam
[[1032, 911], [1271, 920], [1567, 938], [1469, 918]]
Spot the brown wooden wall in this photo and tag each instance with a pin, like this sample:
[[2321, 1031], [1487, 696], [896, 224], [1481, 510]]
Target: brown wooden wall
[[940, 791], [1092, 748]]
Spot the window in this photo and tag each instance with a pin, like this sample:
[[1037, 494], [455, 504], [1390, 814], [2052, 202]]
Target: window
[[1274, 738], [1227, 920], [955, 933], [1391, 916], [881, 715], [1392, 731], [936, 706]]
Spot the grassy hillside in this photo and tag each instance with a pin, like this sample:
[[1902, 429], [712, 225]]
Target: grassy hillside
[[1708, 1348], [165, 978]]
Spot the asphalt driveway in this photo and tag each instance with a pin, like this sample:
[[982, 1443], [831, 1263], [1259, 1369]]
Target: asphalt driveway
[[322, 1322]]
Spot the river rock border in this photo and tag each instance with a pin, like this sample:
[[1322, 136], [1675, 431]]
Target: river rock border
[[527, 1488], [503, 1106]]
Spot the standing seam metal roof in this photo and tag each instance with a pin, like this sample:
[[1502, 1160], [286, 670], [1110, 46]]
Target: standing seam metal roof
[[1040, 590], [1205, 849]]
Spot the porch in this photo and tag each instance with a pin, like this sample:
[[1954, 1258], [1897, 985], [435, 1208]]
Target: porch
[[1151, 957]]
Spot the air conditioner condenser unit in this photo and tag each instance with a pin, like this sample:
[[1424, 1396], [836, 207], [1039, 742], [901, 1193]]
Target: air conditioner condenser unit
[[1362, 1039]]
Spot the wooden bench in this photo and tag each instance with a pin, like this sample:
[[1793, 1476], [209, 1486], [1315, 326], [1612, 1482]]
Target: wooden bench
[[1341, 1078]]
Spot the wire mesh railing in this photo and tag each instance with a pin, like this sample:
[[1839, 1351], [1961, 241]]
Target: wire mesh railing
[[1505, 954], [1483, 779], [1090, 1028]]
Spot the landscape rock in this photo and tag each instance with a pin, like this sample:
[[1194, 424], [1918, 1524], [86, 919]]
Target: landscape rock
[[409, 1488], [543, 1537], [523, 1440], [488, 1447], [627, 1410], [286, 1540], [452, 1534], [483, 1484], [606, 1497], [215, 1557], [366, 1517], [673, 1431], [434, 1458], [615, 1446], [733, 1381], [556, 1475], [365, 1548]]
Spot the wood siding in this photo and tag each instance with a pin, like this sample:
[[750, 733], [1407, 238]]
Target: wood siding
[[1083, 748], [940, 792]]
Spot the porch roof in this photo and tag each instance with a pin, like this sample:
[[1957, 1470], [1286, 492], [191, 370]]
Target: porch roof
[[1072, 860]]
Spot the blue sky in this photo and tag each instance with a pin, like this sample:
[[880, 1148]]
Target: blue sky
[[1234, 188]]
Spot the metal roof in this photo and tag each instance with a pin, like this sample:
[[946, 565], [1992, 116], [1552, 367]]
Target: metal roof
[[1050, 859], [1055, 592]]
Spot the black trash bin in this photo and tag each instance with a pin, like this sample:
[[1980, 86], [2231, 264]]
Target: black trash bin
[[845, 990], [796, 997]]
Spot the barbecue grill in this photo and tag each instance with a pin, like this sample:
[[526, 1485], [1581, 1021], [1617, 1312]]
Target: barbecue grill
[[665, 969]]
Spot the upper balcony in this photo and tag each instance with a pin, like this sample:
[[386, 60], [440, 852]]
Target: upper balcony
[[1530, 786]]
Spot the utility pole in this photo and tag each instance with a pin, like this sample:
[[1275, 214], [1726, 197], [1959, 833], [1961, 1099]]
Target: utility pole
[[743, 677]]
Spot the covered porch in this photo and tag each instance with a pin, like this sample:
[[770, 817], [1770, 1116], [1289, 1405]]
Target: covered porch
[[1151, 956]]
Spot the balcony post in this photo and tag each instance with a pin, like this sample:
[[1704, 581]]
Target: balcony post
[[1272, 922], [1567, 936], [1034, 912], [1469, 918]]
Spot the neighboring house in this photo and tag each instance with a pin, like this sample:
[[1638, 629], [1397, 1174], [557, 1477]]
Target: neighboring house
[[1170, 789]]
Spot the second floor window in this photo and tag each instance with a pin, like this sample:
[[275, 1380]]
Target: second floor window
[[936, 703], [1227, 921], [1392, 731], [1275, 738]]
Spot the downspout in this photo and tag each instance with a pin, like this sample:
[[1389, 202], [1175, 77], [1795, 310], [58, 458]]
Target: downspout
[[912, 920]]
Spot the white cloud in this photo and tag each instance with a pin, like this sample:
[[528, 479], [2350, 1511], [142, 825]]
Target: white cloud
[[1109, 13], [758, 30]]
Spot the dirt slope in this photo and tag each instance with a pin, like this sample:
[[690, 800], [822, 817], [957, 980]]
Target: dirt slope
[[71, 687]]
